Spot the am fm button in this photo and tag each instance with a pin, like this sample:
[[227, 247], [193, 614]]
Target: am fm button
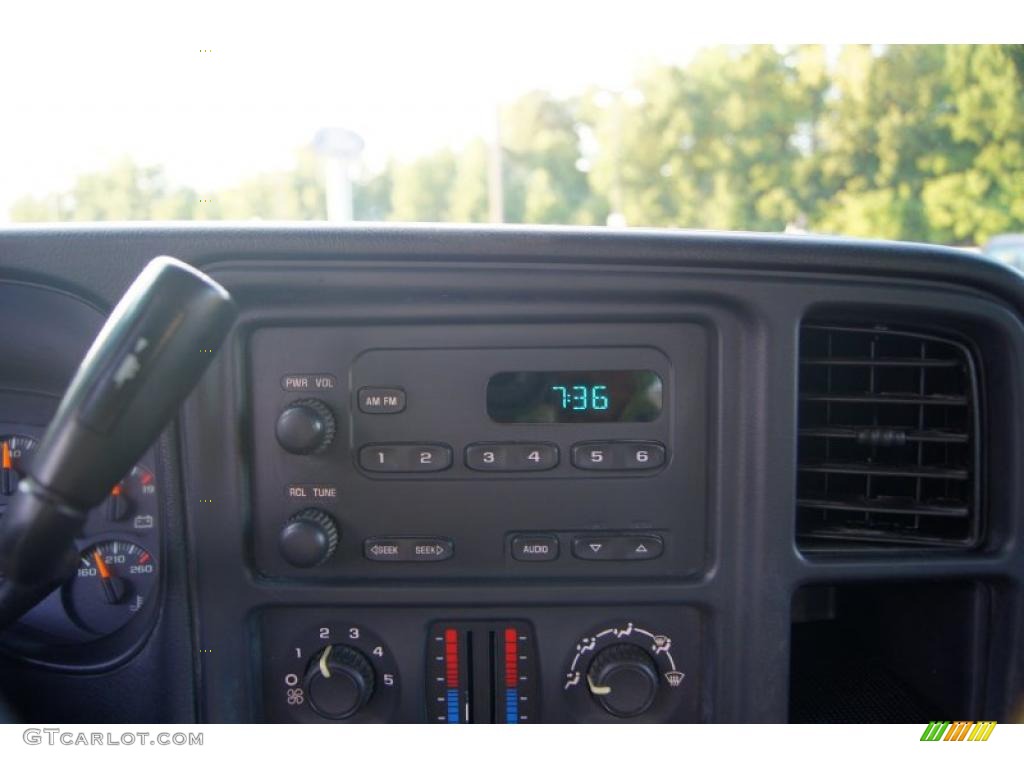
[[381, 400]]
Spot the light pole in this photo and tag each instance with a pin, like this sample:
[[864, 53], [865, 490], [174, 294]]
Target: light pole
[[495, 185], [613, 99], [340, 148]]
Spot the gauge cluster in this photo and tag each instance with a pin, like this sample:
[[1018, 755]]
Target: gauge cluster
[[102, 610]]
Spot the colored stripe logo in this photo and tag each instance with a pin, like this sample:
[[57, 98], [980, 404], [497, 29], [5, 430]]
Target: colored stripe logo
[[961, 730]]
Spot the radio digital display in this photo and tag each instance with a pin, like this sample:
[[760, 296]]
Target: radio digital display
[[554, 397]]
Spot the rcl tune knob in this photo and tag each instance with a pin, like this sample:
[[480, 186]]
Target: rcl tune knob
[[306, 426], [309, 538], [339, 682], [623, 678]]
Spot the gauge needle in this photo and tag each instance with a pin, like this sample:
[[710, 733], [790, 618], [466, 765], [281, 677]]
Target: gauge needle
[[100, 565], [113, 589]]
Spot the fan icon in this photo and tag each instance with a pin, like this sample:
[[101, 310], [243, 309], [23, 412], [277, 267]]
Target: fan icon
[[675, 678]]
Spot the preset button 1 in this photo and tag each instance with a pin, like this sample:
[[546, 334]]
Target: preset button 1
[[405, 457]]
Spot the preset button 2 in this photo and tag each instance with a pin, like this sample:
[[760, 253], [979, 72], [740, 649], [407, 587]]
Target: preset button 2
[[405, 457]]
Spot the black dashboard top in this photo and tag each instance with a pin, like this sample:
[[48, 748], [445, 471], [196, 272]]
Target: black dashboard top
[[104, 257]]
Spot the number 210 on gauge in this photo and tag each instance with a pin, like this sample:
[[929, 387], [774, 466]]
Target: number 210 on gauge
[[580, 397]]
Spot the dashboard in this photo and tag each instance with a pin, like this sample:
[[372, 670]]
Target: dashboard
[[518, 475]]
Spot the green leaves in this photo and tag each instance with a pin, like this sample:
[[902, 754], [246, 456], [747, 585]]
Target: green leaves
[[908, 142]]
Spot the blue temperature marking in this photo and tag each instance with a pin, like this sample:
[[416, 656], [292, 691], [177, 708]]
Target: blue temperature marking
[[512, 705], [453, 705]]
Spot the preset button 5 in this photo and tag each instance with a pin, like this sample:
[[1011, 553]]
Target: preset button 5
[[617, 455]]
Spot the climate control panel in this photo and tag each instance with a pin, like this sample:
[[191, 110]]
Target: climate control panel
[[330, 670], [543, 451], [626, 669], [482, 672], [543, 665]]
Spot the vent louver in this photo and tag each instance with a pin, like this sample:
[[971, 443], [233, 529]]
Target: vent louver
[[888, 446]]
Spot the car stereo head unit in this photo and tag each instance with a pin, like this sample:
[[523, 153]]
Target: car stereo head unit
[[491, 452]]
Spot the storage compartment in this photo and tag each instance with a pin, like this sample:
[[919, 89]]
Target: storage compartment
[[888, 653]]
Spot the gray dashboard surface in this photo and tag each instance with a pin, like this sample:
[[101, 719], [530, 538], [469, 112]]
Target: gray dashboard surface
[[752, 290]]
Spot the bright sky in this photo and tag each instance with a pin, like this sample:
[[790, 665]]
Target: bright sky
[[84, 83]]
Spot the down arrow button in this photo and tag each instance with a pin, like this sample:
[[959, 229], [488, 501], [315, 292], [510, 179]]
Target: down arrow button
[[618, 547]]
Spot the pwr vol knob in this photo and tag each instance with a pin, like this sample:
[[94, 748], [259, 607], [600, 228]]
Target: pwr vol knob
[[306, 426]]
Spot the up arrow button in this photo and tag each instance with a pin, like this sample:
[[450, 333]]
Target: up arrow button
[[645, 547], [618, 546]]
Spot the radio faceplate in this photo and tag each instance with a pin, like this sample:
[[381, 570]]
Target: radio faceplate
[[386, 429]]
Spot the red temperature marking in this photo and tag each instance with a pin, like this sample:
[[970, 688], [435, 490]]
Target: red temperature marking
[[451, 653], [144, 559], [511, 658]]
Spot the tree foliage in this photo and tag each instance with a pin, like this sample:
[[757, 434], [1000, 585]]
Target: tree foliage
[[907, 142]]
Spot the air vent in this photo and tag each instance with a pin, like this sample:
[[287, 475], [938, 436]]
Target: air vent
[[888, 445]]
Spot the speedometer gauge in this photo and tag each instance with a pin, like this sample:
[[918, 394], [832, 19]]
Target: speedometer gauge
[[113, 582]]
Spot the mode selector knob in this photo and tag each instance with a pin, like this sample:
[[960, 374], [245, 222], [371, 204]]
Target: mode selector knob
[[623, 678], [339, 682], [306, 426], [309, 538]]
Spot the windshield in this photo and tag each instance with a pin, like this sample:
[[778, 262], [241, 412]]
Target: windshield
[[350, 116]]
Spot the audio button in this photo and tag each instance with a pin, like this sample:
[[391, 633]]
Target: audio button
[[535, 548]]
